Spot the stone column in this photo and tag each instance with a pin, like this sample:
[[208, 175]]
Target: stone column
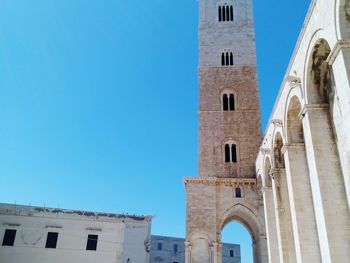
[[339, 60], [276, 203], [215, 248], [330, 202], [283, 216], [260, 252], [188, 249], [301, 204], [270, 219]]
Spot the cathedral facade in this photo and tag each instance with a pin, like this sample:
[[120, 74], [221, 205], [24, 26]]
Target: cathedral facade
[[290, 188]]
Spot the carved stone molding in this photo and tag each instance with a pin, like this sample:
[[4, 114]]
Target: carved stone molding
[[294, 81], [277, 123], [220, 181], [265, 151]]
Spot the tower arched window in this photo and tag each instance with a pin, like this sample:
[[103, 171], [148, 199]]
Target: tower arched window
[[230, 153], [227, 58], [228, 102], [225, 13]]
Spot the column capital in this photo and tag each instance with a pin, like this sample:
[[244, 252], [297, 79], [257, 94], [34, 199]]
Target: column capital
[[341, 44], [312, 107], [266, 189], [292, 146]]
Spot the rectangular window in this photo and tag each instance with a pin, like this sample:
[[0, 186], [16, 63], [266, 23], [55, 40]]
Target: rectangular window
[[92, 242], [51, 240], [160, 246], [176, 248], [231, 254], [9, 237]]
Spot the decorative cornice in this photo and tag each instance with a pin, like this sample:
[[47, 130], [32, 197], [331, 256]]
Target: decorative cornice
[[341, 44], [220, 181]]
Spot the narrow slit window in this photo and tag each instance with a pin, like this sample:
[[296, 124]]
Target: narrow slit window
[[231, 59], [232, 102], [51, 240], [238, 194], [92, 242], [225, 102], [227, 13], [234, 153], [227, 153], [227, 59], [223, 59], [9, 237]]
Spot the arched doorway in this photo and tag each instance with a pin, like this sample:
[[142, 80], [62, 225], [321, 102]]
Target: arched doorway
[[236, 233]]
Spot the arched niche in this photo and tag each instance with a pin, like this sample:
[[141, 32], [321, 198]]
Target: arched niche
[[278, 158], [319, 76], [294, 127]]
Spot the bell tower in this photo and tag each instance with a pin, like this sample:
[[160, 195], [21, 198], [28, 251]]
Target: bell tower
[[226, 188]]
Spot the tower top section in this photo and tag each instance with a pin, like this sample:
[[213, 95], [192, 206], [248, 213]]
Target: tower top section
[[226, 27]]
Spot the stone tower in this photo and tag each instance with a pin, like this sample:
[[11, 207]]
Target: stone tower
[[226, 188]]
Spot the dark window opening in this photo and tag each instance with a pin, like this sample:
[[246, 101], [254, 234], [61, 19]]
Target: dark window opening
[[232, 102], [227, 153], [9, 237], [225, 13], [238, 193], [92, 242], [225, 102], [234, 153], [51, 241], [227, 59], [176, 248], [160, 246], [231, 254]]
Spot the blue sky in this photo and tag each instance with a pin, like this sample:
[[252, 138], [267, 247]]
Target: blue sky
[[98, 101]]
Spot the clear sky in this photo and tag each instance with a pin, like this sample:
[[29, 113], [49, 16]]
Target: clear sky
[[98, 101]]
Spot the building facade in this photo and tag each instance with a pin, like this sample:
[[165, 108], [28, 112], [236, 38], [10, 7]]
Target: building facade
[[172, 250], [304, 161], [41, 235], [226, 188]]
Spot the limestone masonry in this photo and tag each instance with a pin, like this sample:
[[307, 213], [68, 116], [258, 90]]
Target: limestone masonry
[[295, 199]]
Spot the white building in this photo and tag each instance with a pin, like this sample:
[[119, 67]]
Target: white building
[[37, 234]]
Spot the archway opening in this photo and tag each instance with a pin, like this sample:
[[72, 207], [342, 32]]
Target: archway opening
[[237, 243]]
